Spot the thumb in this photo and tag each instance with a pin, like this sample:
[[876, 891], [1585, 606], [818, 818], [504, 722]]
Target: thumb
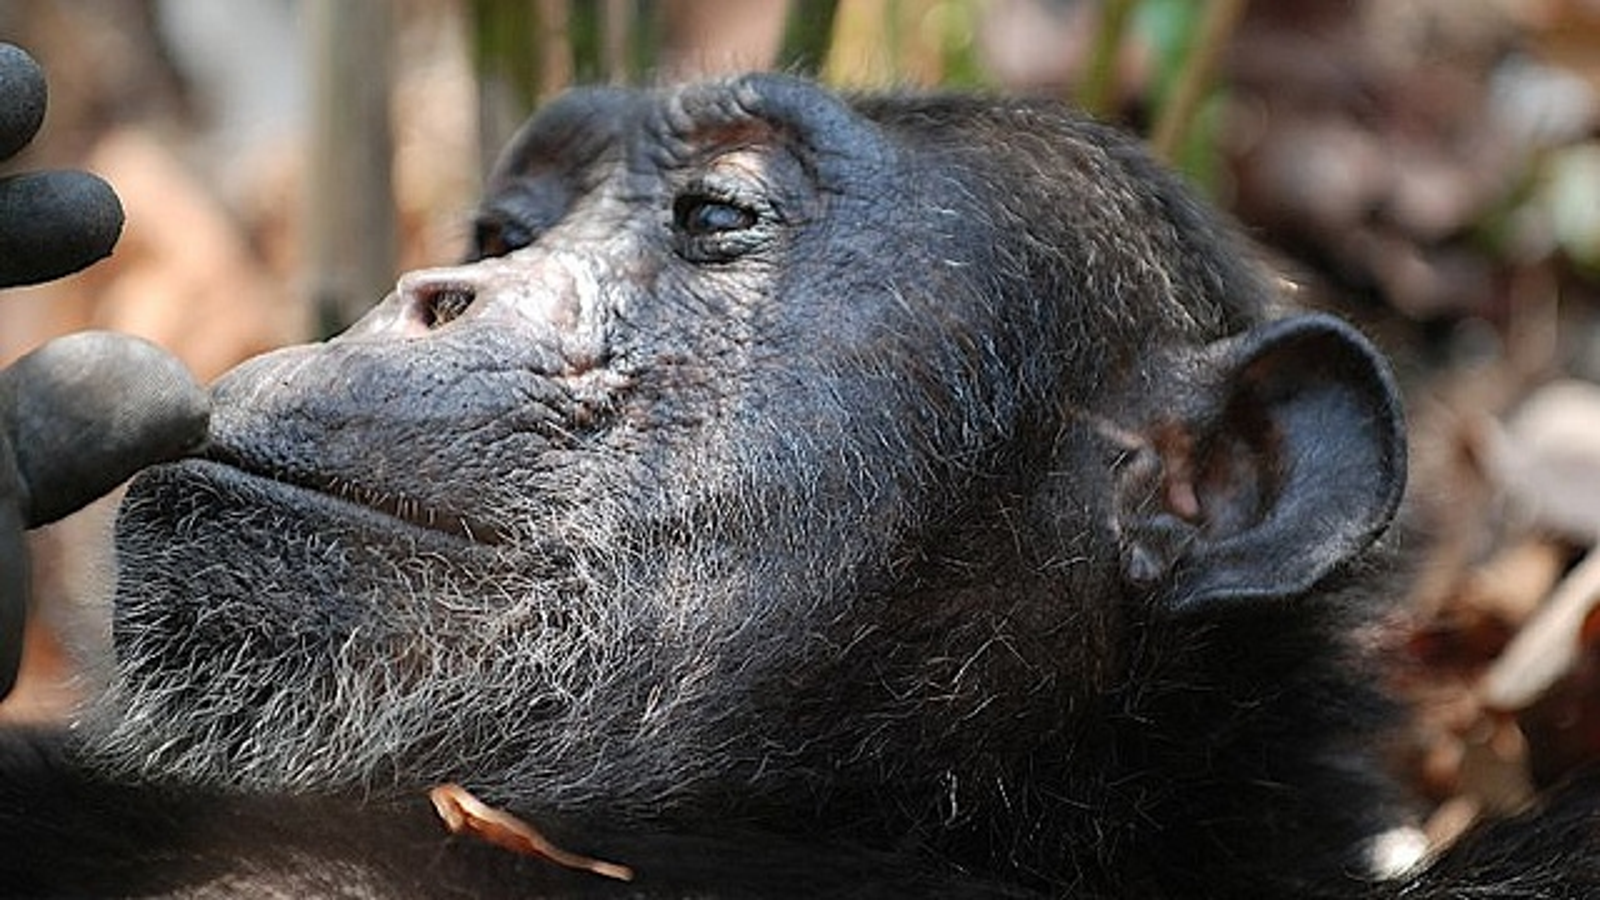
[[14, 575], [86, 411]]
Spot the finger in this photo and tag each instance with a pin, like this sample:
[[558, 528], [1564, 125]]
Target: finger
[[90, 409], [13, 578], [53, 224], [22, 99]]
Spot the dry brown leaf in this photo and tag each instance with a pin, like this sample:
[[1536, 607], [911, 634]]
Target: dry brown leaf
[[1547, 647], [1547, 458], [465, 814], [1513, 583]]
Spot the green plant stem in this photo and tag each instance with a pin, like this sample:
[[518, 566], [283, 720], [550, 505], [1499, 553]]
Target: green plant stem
[[807, 34], [1097, 90], [1193, 82]]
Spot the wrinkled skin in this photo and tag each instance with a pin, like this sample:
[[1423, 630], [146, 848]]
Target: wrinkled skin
[[790, 497], [616, 472]]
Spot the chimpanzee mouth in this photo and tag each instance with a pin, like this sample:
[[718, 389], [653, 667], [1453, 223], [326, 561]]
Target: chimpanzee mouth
[[379, 511]]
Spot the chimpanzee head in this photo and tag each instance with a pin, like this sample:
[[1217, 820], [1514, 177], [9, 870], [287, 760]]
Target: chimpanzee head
[[770, 449]]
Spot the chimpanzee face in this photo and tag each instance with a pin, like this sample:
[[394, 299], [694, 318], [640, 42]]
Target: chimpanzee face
[[748, 400], [713, 361]]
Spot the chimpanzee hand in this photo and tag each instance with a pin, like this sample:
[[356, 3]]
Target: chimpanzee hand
[[83, 412], [51, 223]]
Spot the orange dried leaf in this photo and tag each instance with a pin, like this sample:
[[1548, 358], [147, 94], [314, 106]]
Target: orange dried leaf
[[465, 814]]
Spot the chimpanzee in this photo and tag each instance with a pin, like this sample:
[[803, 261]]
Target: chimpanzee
[[792, 495]]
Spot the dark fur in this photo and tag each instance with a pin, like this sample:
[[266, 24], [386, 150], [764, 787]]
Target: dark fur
[[848, 551]]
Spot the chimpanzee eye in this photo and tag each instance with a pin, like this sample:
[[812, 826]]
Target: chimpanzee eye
[[718, 223], [700, 216]]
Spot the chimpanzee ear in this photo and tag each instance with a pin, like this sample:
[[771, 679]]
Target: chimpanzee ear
[[1289, 462]]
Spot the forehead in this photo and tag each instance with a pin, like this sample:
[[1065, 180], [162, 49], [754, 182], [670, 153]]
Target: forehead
[[681, 125]]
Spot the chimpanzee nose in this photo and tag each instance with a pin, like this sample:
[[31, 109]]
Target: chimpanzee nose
[[547, 295], [423, 301], [547, 299]]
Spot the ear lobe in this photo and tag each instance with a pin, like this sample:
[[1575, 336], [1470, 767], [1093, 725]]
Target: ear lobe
[[1292, 462]]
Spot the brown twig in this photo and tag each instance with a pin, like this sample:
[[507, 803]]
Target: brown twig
[[465, 814]]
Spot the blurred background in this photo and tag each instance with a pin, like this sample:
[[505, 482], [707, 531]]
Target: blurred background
[[1428, 168]]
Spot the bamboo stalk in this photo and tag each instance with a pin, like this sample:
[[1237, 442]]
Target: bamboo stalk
[[1194, 80], [807, 34], [1097, 90]]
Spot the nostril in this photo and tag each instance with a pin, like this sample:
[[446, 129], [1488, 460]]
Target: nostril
[[434, 301], [445, 304]]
